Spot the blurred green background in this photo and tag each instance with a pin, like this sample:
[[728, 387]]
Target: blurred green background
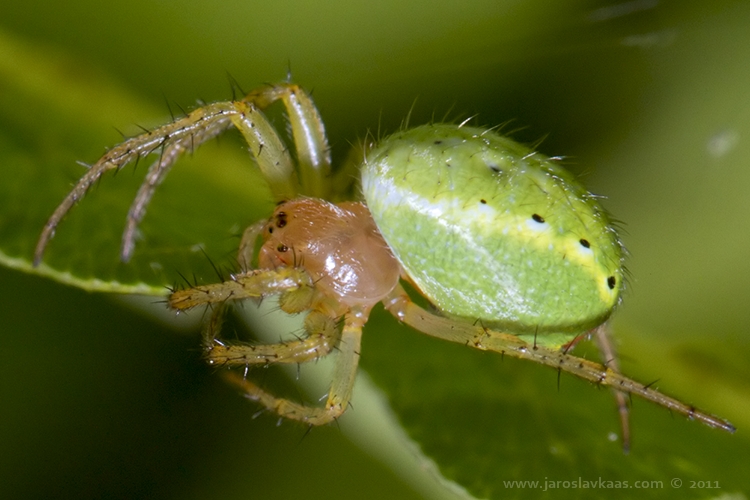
[[648, 101]]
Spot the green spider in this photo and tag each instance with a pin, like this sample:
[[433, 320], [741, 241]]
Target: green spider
[[517, 257]]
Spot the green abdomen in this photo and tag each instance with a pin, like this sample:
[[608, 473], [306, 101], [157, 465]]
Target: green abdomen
[[488, 229]]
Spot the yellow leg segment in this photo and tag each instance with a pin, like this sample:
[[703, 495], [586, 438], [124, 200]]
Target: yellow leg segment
[[339, 394], [609, 358], [401, 306], [205, 123], [256, 283], [322, 333]]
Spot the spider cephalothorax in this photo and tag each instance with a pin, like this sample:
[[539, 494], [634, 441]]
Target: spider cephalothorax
[[338, 245], [515, 254]]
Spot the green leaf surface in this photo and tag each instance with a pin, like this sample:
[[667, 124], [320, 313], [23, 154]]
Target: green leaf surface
[[649, 103]]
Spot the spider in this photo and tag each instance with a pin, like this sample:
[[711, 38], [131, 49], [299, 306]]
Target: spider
[[513, 253]]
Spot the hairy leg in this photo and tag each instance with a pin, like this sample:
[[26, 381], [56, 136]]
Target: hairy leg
[[321, 334], [339, 394], [205, 123], [247, 245], [256, 284], [473, 335], [170, 153], [609, 359], [308, 132]]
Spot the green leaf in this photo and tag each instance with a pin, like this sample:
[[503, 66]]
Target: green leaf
[[651, 103]]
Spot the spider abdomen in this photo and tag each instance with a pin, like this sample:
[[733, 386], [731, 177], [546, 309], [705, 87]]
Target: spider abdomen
[[489, 229]]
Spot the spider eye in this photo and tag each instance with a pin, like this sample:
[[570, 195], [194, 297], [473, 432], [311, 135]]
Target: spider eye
[[281, 219], [282, 248]]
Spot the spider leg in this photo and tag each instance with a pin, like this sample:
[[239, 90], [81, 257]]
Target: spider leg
[[274, 160], [400, 305], [342, 383], [247, 245], [322, 334], [265, 145], [213, 118], [308, 132], [171, 152], [255, 283], [268, 149], [609, 358], [203, 124]]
